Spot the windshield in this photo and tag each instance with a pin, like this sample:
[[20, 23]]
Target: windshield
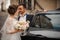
[[47, 20]]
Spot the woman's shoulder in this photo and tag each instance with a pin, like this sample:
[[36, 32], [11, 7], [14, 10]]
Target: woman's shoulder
[[11, 19]]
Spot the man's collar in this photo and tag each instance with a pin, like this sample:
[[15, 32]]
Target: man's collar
[[24, 14]]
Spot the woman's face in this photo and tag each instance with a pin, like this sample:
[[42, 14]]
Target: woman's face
[[21, 9]]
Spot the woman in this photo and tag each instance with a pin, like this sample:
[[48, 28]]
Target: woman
[[8, 31]]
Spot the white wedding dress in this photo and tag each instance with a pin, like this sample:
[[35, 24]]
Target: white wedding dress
[[9, 25]]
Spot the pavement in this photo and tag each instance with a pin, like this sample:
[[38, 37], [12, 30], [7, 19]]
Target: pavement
[[3, 16]]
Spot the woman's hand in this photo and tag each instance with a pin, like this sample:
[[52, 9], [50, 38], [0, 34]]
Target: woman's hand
[[16, 13]]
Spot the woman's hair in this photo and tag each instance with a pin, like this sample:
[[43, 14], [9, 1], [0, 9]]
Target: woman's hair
[[12, 9]]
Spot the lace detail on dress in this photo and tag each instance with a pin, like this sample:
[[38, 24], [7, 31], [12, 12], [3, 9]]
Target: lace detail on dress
[[7, 27]]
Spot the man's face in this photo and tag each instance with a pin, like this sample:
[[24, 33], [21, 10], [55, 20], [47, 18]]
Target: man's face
[[21, 9]]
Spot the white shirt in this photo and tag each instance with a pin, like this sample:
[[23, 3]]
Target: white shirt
[[22, 18]]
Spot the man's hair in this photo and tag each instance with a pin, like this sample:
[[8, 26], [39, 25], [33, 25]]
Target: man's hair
[[12, 9], [22, 5]]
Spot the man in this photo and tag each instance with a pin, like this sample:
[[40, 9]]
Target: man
[[23, 15]]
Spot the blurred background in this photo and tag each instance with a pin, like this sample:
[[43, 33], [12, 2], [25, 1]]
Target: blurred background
[[32, 4]]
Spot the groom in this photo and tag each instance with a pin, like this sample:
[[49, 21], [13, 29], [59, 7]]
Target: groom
[[23, 15]]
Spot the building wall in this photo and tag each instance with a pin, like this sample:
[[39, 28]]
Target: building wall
[[58, 3], [14, 2], [0, 4], [47, 4], [4, 4]]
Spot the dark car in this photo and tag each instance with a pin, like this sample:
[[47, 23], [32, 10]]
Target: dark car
[[45, 26]]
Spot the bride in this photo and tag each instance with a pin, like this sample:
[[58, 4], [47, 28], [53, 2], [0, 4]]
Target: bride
[[8, 31]]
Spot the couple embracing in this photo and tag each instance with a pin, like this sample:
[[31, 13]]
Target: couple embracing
[[17, 22]]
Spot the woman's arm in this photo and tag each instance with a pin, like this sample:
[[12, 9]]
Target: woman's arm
[[10, 28], [14, 31]]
